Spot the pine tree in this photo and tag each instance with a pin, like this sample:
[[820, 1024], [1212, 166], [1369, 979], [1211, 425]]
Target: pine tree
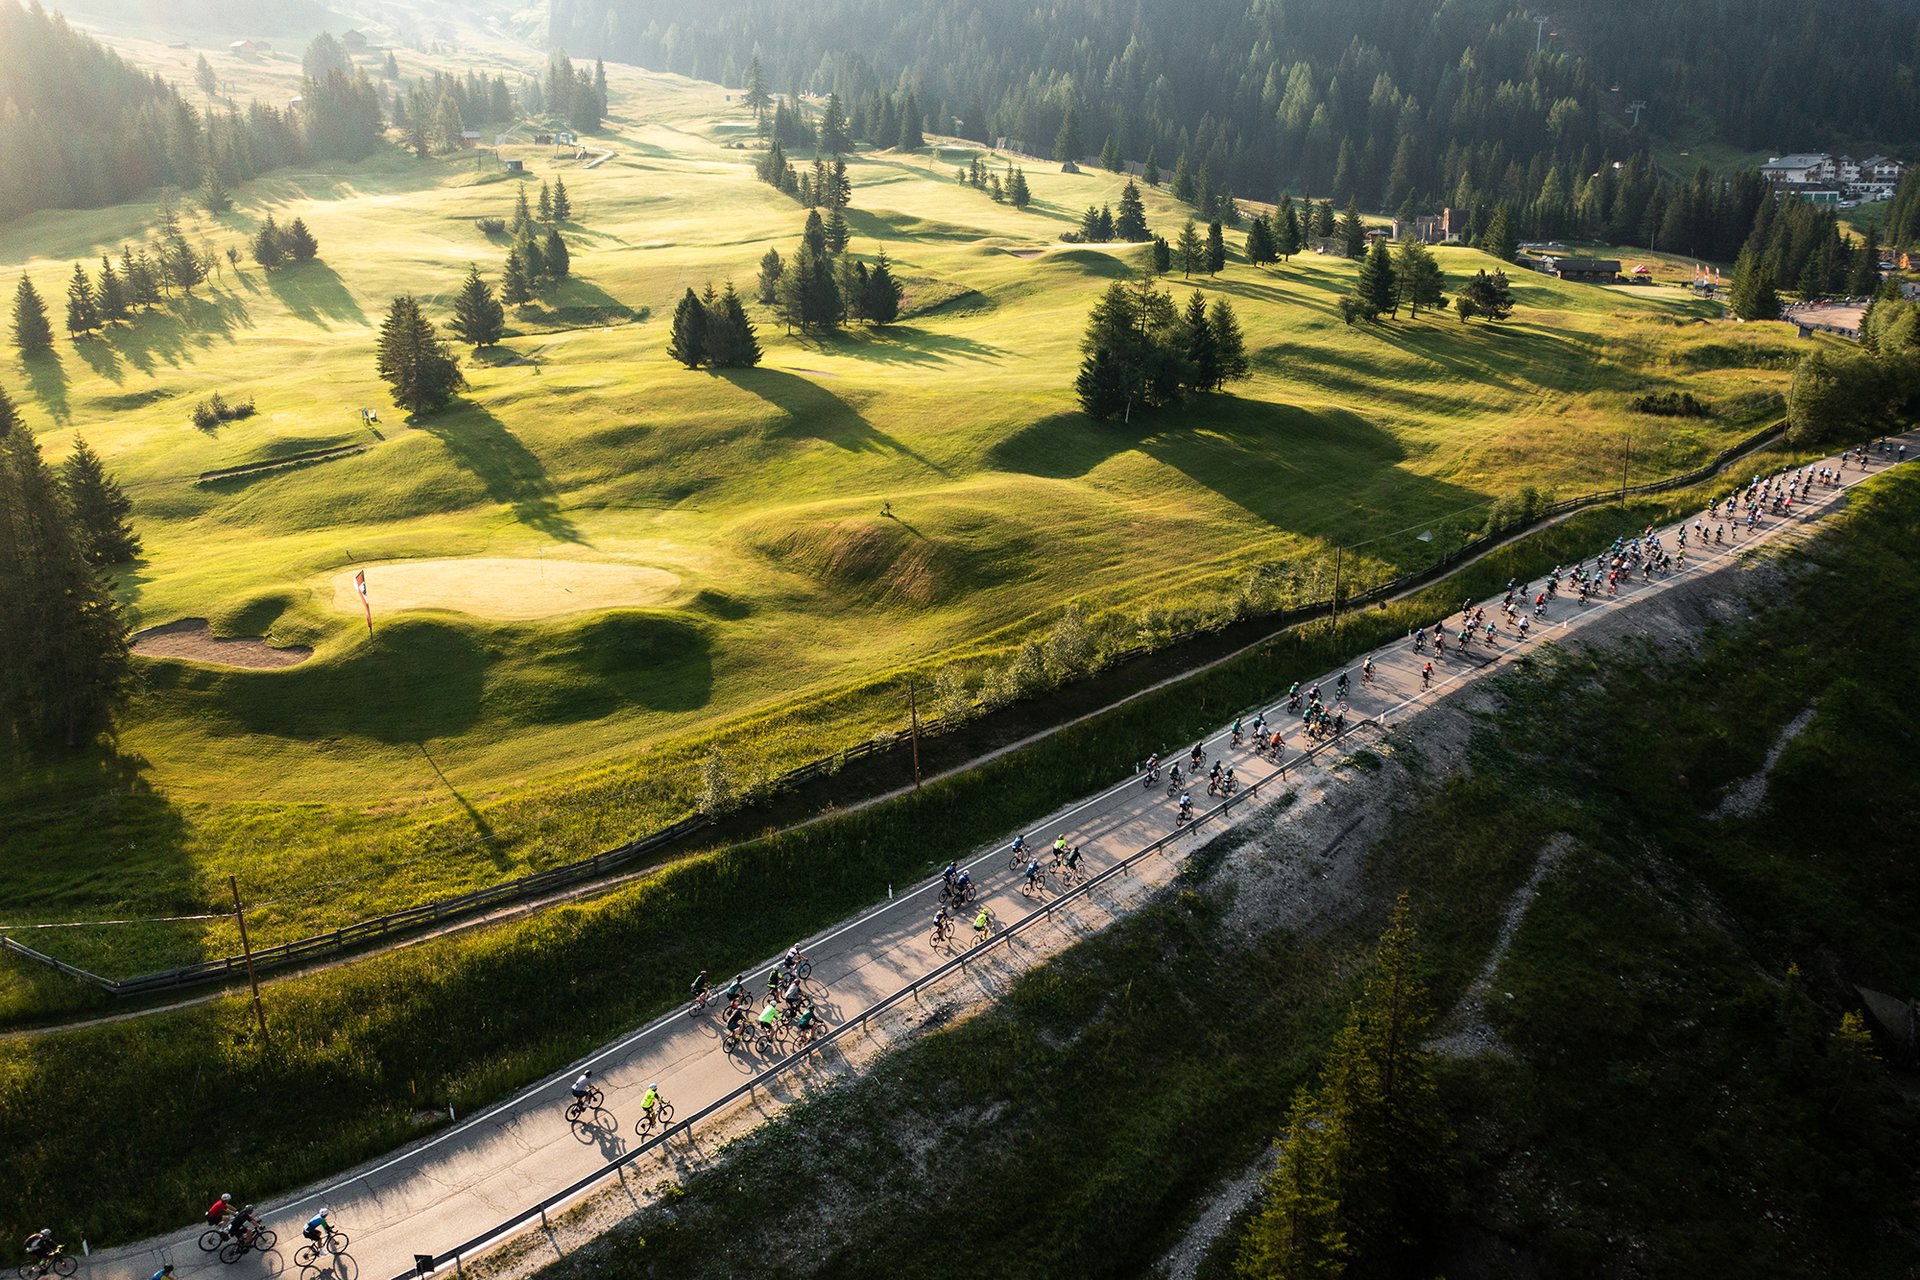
[[1287, 237], [112, 295], [214, 196], [1150, 171], [1103, 224], [1068, 145], [544, 206], [534, 258], [204, 77], [83, 313], [1753, 296], [562, 203], [1190, 250], [1018, 195], [1216, 249], [1374, 290], [31, 332], [832, 137], [911, 138], [1110, 157], [516, 284], [1323, 219], [882, 292], [522, 213], [770, 271], [688, 343], [1101, 384], [1863, 276], [478, 317], [1353, 231], [67, 662], [1162, 256], [100, 509], [1130, 225], [839, 185], [850, 279], [411, 358], [1259, 243], [1202, 355], [556, 263], [300, 244], [391, 67], [742, 344], [814, 233], [267, 247], [1183, 188], [808, 295], [756, 98], [1487, 295], [1417, 276], [1500, 239], [1230, 344], [836, 231]]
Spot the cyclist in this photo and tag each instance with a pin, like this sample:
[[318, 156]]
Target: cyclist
[[650, 1099], [942, 921], [1236, 731], [163, 1273], [1059, 846], [1020, 843], [981, 923], [736, 1014], [1366, 670], [1186, 806], [1033, 875], [318, 1226], [793, 995], [1073, 858], [794, 956], [737, 988], [700, 984], [1426, 676], [40, 1245], [583, 1086], [773, 981], [770, 1016], [243, 1224], [1199, 754], [219, 1209], [951, 870], [962, 886], [805, 1021]]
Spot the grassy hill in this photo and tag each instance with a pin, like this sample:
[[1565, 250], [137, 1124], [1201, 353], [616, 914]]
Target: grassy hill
[[769, 604]]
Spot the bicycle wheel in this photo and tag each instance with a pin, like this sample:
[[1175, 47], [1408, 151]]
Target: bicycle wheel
[[264, 1240], [306, 1255], [574, 1111], [643, 1126], [232, 1251], [665, 1113], [65, 1265], [337, 1245], [803, 970], [211, 1240]]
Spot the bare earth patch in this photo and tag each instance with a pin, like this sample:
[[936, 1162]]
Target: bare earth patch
[[192, 639], [508, 588]]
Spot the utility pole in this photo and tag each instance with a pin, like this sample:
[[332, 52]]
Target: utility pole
[[1540, 21], [1336, 590], [1637, 106], [1625, 462], [247, 948], [913, 712]]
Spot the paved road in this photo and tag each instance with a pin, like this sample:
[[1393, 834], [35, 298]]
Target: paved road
[[438, 1193]]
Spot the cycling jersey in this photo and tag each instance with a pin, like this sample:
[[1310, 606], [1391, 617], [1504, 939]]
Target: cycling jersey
[[583, 1084], [649, 1099], [770, 1015]]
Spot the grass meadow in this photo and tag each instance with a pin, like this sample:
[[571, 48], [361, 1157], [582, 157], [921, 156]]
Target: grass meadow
[[457, 746]]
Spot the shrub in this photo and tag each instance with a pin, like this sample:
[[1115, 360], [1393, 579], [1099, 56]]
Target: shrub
[[216, 409], [1671, 404], [491, 226], [1518, 508]]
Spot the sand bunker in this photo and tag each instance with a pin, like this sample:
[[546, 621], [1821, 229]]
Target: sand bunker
[[513, 589], [192, 639]]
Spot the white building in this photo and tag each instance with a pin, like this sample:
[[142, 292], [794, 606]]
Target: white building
[[1822, 177]]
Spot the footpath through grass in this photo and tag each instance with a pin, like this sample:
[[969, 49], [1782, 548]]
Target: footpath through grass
[[1674, 1101], [369, 1055]]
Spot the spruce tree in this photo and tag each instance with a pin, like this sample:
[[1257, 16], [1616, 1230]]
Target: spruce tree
[[1288, 237], [1101, 384], [836, 231], [1104, 224], [1353, 231], [67, 663], [1216, 249], [1183, 188], [1130, 224], [478, 317], [83, 313], [544, 206], [1417, 277], [688, 342], [562, 203], [882, 293], [832, 137], [756, 98], [1202, 355], [1500, 239], [214, 196], [1487, 295], [814, 233], [301, 246], [770, 271], [516, 285], [1230, 344], [741, 342], [534, 258], [1018, 194], [1373, 289], [1110, 157], [1068, 145], [1259, 243], [522, 213], [267, 248], [556, 263], [412, 359], [1190, 250], [1150, 171], [1162, 256], [112, 296], [911, 138], [1323, 219], [31, 332], [100, 509]]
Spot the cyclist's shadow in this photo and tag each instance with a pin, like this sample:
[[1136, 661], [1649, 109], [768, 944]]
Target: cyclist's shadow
[[600, 1127], [339, 1266]]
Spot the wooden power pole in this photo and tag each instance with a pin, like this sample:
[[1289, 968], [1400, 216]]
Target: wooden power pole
[[913, 713], [247, 949]]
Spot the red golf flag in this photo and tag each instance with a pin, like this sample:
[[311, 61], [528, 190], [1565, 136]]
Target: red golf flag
[[360, 585]]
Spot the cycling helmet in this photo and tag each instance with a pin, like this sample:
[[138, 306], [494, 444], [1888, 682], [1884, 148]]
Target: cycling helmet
[[587, 1073], [46, 1231], [654, 1085], [227, 1196]]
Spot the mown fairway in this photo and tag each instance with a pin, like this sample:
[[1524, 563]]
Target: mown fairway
[[458, 746]]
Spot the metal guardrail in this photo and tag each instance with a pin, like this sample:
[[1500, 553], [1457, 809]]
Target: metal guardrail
[[957, 964], [229, 968]]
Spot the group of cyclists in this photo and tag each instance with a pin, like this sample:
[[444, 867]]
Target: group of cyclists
[[233, 1230]]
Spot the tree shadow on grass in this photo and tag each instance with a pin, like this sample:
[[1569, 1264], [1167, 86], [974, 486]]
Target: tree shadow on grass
[[907, 344], [47, 380], [101, 358], [172, 333], [480, 443], [314, 293], [814, 412]]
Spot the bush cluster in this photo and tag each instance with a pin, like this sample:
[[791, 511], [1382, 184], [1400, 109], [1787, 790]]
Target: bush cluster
[[1671, 404], [216, 409]]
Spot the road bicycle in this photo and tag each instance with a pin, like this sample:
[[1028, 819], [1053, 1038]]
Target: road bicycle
[[699, 1002], [942, 932], [331, 1242], [57, 1263], [259, 1238], [661, 1115], [580, 1106]]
